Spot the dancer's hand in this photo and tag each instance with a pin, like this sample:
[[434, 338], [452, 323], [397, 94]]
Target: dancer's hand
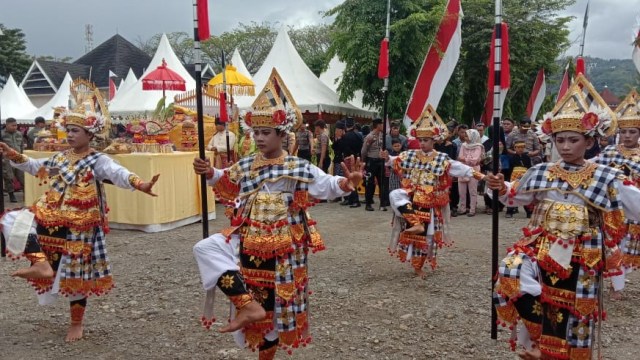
[[495, 182], [203, 167], [147, 186], [6, 150], [354, 176]]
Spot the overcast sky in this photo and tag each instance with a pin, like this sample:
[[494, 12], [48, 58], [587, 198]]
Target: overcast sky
[[56, 27]]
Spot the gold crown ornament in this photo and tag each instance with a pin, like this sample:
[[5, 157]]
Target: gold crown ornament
[[92, 122], [430, 125], [629, 111], [581, 110], [274, 107]]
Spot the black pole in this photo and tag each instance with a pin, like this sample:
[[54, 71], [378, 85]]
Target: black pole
[[497, 87], [199, 109]]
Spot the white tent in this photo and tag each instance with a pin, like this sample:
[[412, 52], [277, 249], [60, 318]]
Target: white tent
[[128, 83], [309, 93], [236, 60], [61, 98], [137, 100], [15, 103], [332, 78]]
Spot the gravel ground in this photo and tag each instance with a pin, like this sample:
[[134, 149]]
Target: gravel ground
[[365, 304]]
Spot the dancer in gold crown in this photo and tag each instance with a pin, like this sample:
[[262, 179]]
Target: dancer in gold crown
[[551, 280], [260, 262], [64, 236], [423, 199]]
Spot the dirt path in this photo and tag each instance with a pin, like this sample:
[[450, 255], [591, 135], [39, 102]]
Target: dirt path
[[365, 304]]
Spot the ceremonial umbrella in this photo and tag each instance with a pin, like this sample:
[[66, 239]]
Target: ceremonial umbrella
[[238, 84], [163, 78]]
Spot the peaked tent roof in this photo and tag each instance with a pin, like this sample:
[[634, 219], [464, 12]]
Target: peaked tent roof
[[14, 102], [61, 98], [116, 54], [126, 84], [305, 87], [332, 77], [236, 60], [138, 100]]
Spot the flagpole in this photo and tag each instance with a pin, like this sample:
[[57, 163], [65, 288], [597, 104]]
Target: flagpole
[[584, 28], [497, 87], [3, 244], [199, 110], [224, 91], [385, 89]]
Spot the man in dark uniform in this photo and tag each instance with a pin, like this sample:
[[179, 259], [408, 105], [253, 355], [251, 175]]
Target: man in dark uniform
[[351, 145]]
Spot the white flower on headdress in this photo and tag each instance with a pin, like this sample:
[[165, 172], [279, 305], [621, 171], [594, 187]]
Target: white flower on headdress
[[597, 121], [543, 130]]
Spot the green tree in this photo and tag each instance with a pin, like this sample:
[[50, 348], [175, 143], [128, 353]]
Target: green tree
[[537, 37], [13, 56], [312, 43]]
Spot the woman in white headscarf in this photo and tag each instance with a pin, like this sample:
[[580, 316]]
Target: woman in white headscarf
[[471, 154]]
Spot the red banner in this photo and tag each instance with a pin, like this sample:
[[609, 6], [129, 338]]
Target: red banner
[[383, 64], [203, 20], [224, 117]]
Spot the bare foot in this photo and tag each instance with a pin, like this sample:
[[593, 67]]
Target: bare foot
[[533, 354], [420, 273], [74, 333], [250, 313], [416, 229], [39, 270]]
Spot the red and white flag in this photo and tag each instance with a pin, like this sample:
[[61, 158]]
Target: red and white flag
[[564, 85], [383, 61], [438, 65], [505, 75], [112, 85], [537, 96], [636, 52], [203, 20]]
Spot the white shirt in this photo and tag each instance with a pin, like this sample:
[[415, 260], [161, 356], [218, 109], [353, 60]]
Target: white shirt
[[219, 142]]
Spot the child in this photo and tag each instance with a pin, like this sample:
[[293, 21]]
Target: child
[[394, 178], [471, 154], [423, 200], [260, 262], [520, 162], [66, 244], [550, 279]]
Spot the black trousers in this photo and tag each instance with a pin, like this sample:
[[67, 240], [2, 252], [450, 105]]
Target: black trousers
[[375, 167]]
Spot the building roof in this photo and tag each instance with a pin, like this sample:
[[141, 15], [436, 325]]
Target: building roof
[[116, 54], [609, 97], [45, 77], [206, 74]]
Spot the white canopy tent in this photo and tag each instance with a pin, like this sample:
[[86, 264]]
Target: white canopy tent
[[332, 78], [15, 103], [309, 93], [136, 100], [61, 98], [128, 83], [236, 60]]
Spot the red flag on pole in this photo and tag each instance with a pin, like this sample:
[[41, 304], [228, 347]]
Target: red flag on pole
[[537, 96], [505, 75], [224, 117], [112, 85], [564, 85], [203, 20], [383, 64]]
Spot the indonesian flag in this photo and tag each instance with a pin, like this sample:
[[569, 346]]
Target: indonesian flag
[[537, 96], [383, 62], [564, 85], [505, 76], [438, 65], [203, 20], [112, 85], [636, 52]]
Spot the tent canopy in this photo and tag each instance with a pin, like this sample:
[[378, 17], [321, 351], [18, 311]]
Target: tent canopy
[[15, 103], [332, 77], [61, 98], [236, 60]]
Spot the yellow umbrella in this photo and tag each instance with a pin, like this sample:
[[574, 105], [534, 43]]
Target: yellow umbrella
[[237, 84]]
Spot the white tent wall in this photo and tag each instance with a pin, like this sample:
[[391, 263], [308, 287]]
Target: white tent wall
[[15, 103], [61, 98], [332, 78], [307, 90], [136, 100], [236, 60], [127, 84]]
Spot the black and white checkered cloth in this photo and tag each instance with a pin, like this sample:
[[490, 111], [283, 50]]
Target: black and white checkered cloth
[[611, 156], [67, 173], [251, 180]]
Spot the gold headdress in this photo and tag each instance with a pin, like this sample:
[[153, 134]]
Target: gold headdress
[[92, 122], [581, 110], [274, 107], [430, 125], [629, 111]]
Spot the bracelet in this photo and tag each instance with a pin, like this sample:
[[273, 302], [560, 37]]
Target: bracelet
[[135, 181]]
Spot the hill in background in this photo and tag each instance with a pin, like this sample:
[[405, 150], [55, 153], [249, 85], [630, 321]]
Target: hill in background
[[619, 75]]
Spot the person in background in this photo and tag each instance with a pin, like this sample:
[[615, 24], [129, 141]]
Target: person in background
[[532, 144], [446, 146], [394, 178], [303, 147], [520, 162], [351, 149], [218, 144], [289, 142], [394, 133], [375, 167], [470, 154], [32, 134], [12, 137], [323, 161], [339, 147], [246, 145]]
